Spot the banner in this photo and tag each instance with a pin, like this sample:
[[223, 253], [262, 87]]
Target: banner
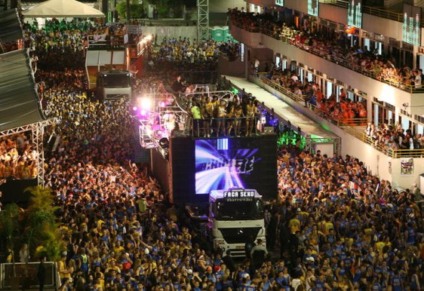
[[407, 166]]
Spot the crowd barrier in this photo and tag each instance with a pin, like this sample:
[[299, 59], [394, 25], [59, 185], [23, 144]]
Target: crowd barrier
[[23, 276]]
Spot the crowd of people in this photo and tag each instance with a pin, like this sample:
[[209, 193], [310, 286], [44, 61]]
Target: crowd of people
[[197, 62], [334, 224], [18, 158], [342, 228], [339, 108], [230, 115], [333, 46], [393, 137]]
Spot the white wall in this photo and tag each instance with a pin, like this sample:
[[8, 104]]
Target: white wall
[[333, 13], [171, 31], [301, 6], [386, 27], [250, 39], [373, 88], [262, 3]]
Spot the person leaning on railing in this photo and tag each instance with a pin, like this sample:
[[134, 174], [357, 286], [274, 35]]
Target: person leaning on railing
[[267, 25]]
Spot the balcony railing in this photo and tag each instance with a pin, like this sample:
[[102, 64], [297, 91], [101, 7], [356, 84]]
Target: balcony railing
[[334, 59], [353, 126], [393, 152], [383, 13], [229, 127], [301, 99]]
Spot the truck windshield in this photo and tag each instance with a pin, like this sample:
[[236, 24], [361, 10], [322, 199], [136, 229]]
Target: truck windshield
[[116, 81], [239, 210]]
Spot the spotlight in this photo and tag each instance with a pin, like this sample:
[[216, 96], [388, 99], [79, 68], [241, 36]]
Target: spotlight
[[145, 103]]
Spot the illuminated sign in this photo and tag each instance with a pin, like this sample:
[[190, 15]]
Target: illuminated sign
[[411, 29], [223, 164], [313, 7], [239, 194], [354, 13]]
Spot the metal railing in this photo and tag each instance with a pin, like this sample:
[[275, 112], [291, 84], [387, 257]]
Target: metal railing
[[395, 153], [301, 99], [353, 126], [383, 13], [23, 276], [229, 127], [380, 12], [338, 60]]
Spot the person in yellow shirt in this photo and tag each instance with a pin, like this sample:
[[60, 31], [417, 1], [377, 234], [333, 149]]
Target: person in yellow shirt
[[118, 249], [238, 115], [64, 273], [197, 117], [294, 225], [221, 115]]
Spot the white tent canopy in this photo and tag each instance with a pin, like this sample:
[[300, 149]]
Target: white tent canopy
[[62, 8]]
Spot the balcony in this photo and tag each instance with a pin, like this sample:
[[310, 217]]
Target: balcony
[[385, 87], [352, 126]]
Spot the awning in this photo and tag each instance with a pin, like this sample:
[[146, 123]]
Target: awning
[[18, 99], [10, 26], [62, 8]]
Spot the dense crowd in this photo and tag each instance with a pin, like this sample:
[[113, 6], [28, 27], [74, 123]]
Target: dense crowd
[[336, 226], [197, 62], [17, 157], [330, 45], [393, 137], [342, 228]]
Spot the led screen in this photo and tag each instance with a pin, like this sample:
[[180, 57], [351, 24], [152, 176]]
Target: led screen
[[411, 24], [354, 13], [225, 163], [313, 7]]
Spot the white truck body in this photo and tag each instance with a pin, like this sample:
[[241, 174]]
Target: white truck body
[[235, 216]]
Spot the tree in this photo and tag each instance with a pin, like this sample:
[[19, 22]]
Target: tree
[[167, 7], [9, 226], [136, 10], [40, 227]]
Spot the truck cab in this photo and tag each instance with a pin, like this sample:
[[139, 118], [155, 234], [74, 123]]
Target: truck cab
[[235, 217], [114, 85]]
